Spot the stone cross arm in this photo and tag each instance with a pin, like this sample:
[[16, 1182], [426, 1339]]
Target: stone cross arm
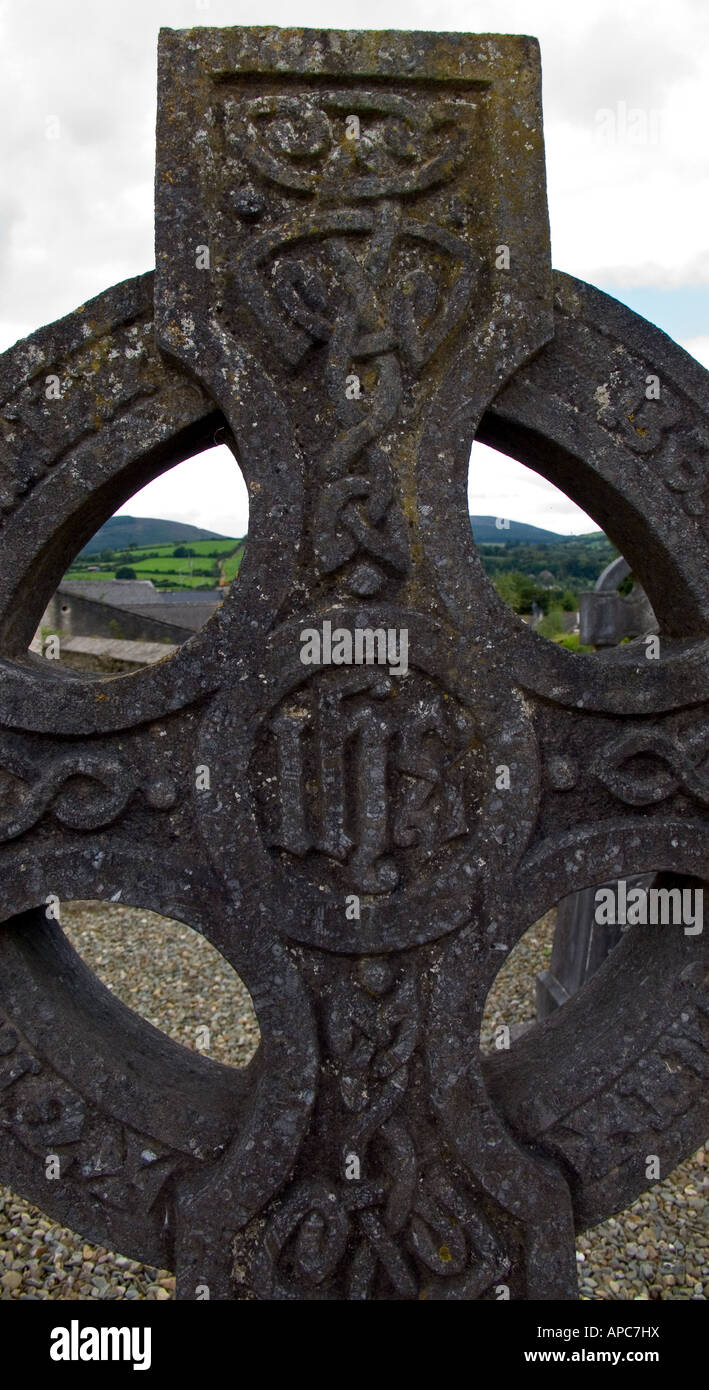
[[364, 777]]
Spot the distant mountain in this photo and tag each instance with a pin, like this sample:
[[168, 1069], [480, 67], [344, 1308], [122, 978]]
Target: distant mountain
[[122, 532], [485, 529]]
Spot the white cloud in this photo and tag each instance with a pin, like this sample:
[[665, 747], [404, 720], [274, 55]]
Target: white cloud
[[499, 486], [78, 207], [699, 348], [76, 212], [207, 491]]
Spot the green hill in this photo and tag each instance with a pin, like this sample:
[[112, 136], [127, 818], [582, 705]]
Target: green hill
[[125, 532], [487, 531], [527, 564]]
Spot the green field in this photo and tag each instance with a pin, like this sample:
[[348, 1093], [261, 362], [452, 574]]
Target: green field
[[232, 564], [200, 548], [200, 569], [172, 581], [168, 565], [528, 573]]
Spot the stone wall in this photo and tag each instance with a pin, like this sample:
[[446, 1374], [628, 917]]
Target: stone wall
[[74, 616]]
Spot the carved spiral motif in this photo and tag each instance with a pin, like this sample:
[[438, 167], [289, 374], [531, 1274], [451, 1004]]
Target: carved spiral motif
[[403, 1218], [645, 767], [378, 317], [85, 791], [304, 142]]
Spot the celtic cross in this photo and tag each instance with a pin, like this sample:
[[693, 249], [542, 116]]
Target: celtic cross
[[353, 282]]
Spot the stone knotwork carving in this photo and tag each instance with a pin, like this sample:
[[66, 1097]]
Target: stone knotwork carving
[[353, 281]]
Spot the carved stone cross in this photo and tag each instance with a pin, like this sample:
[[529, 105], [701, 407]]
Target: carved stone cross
[[353, 281]]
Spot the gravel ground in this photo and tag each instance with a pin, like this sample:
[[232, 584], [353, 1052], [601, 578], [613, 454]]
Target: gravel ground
[[658, 1249]]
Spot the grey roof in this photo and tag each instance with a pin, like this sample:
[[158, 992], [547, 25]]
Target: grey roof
[[191, 595], [120, 593], [142, 595], [188, 615]]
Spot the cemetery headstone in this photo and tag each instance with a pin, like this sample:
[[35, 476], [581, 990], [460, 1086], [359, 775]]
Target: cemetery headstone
[[363, 778], [606, 616], [581, 943]]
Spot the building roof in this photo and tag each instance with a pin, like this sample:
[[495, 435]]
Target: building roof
[[120, 593], [188, 608], [188, 615], [190, 595]]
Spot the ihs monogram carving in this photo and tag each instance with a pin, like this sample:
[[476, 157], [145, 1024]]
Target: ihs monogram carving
[[359, 780], [369, 776]]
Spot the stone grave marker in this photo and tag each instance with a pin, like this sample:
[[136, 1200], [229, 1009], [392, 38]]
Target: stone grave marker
[[364, 777], [581, 943], [606, 616]]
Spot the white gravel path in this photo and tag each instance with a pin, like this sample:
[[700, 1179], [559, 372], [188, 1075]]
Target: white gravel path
[[658, 1249]]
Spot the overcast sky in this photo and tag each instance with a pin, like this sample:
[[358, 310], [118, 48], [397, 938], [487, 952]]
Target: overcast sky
[[626, 106]]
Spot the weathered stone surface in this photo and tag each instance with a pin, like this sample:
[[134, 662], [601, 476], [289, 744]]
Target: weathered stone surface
[[581, 943], [580, 947], [113, 651], [337, 783], [607, 616]]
